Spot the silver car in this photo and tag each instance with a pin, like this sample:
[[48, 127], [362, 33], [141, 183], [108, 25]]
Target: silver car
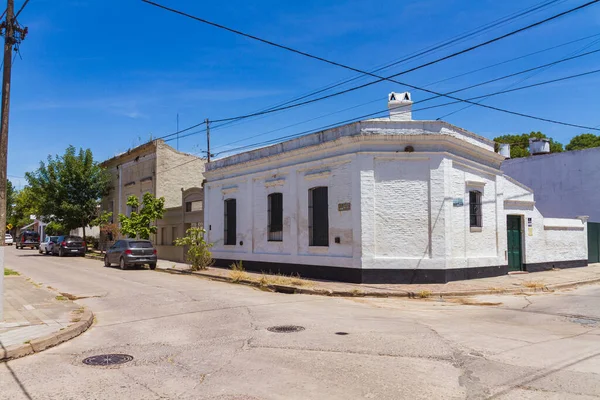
[[8, 239], [131, 252], [47, 244]]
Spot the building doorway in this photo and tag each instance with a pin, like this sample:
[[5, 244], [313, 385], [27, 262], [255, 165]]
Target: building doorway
[[514, 231], [593, 242]]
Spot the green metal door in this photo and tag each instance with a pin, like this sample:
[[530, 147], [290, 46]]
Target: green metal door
[[513, 225], [593, 242]]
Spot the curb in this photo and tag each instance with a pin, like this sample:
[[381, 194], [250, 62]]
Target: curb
[[410, 295], [94, 256], [45, 342]]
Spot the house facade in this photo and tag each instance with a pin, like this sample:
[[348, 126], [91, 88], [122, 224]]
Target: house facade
[[384, 200], [157, 168], [565, 185]]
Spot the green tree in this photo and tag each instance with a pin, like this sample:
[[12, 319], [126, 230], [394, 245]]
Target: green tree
[[69, 187], [584, 141], [55, 228], [198, 254], [519, 144], [25, 204], [139, 223]]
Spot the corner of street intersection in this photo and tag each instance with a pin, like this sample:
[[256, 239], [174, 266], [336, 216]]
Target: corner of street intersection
[[198, 339]]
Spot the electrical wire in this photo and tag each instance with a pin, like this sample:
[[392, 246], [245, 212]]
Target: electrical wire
[[431, 49], [379, 78], [21, 9], [433, 97]]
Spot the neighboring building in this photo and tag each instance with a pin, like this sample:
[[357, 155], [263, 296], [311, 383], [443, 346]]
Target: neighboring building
[[382, 200], [165, 172], [565, 185]]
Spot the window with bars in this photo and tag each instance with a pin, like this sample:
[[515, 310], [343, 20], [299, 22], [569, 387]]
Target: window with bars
[[475, 208], [318, 217], [275, 217], [230, 222]]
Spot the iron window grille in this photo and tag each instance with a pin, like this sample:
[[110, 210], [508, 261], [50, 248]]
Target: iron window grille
[[275, 217], [230, 222], [318, 217], [475, 213]]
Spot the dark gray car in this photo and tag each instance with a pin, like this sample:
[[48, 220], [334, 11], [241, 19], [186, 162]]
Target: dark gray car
[[132, 252], [69, 245]]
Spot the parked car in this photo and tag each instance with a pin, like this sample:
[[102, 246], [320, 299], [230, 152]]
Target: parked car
[[131, 252], [8, 239], [29, 239], [66, 245], [47, 244]]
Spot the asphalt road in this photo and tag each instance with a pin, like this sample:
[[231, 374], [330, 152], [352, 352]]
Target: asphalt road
[[197, 339]]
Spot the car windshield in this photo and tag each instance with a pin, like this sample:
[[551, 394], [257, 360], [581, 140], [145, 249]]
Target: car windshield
[[140, 245], [74, 238]]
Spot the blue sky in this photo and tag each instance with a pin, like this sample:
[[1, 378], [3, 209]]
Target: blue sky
[[109, 74]]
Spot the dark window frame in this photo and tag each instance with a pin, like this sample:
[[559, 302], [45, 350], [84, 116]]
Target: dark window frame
[[475, 209], [318, 216], [229, 222], [275, 217]]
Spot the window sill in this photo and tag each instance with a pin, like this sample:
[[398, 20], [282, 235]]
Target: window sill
[[476, 229]]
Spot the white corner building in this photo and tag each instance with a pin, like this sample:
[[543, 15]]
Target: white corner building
[[387, 200]]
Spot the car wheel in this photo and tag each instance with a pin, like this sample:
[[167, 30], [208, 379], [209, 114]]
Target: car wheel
[[152, 266], [122, 263], [40, 251], [106, 263], [47, 252], [61, 253]]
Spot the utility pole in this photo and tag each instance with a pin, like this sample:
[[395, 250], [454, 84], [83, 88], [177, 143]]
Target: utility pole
[[13, 34], [207, 139]]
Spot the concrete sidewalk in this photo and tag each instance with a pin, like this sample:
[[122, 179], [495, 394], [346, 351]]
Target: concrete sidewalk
[[512, 283], [36, 318]]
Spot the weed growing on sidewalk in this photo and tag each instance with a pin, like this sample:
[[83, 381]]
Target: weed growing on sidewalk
[[8, 271], [61, 298], [534, 285], [293, 280], [237, 273]]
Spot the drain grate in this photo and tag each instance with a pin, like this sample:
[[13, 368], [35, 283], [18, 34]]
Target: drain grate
[[108, 359], [286, 329]]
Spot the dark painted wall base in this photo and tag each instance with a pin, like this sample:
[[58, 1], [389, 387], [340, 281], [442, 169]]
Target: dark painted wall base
[[546, 266], [355, 275]]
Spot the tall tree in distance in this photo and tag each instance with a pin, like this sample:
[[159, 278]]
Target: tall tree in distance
[[69, 188], [519, 144], [584, 141]]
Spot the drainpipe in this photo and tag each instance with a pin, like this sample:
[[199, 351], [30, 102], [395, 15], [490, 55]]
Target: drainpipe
[[120, 172]]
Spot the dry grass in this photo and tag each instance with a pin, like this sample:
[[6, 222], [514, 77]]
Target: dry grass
[[61, 298], [424, 294], [471, 302], [534, 284], [294, 280], [237, 273], [8, 272], [496, 290]]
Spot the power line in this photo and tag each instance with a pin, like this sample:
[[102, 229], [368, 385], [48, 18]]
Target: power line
[[431, 49], [356, 119], [379, 78], [21, 9], [545, 68], [454, 91]]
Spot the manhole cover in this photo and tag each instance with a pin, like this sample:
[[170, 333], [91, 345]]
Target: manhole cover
[[285, 329], [108, 359], [341, 333]]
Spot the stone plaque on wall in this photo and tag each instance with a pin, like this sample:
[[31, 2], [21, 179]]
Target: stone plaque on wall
[[344, 207]]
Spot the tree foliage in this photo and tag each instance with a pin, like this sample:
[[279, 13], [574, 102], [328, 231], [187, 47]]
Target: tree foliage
[[139, 223], [69, 187], [25, 204], [519, 144], [198, 254], [55, 228], [584, 141]]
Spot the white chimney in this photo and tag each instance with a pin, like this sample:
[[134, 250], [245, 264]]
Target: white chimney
[[539, 146], [400, 106], [504, 150]]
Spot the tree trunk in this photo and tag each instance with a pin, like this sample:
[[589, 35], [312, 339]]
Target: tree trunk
[[84, 238]]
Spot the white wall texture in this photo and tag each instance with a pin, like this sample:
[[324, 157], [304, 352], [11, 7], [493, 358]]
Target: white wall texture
[[565, 184], [402, 213]]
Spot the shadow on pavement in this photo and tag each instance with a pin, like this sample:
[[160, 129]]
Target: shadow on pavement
[[15, 377]]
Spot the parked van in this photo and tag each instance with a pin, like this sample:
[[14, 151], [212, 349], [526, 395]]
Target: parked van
[[29, 239]]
